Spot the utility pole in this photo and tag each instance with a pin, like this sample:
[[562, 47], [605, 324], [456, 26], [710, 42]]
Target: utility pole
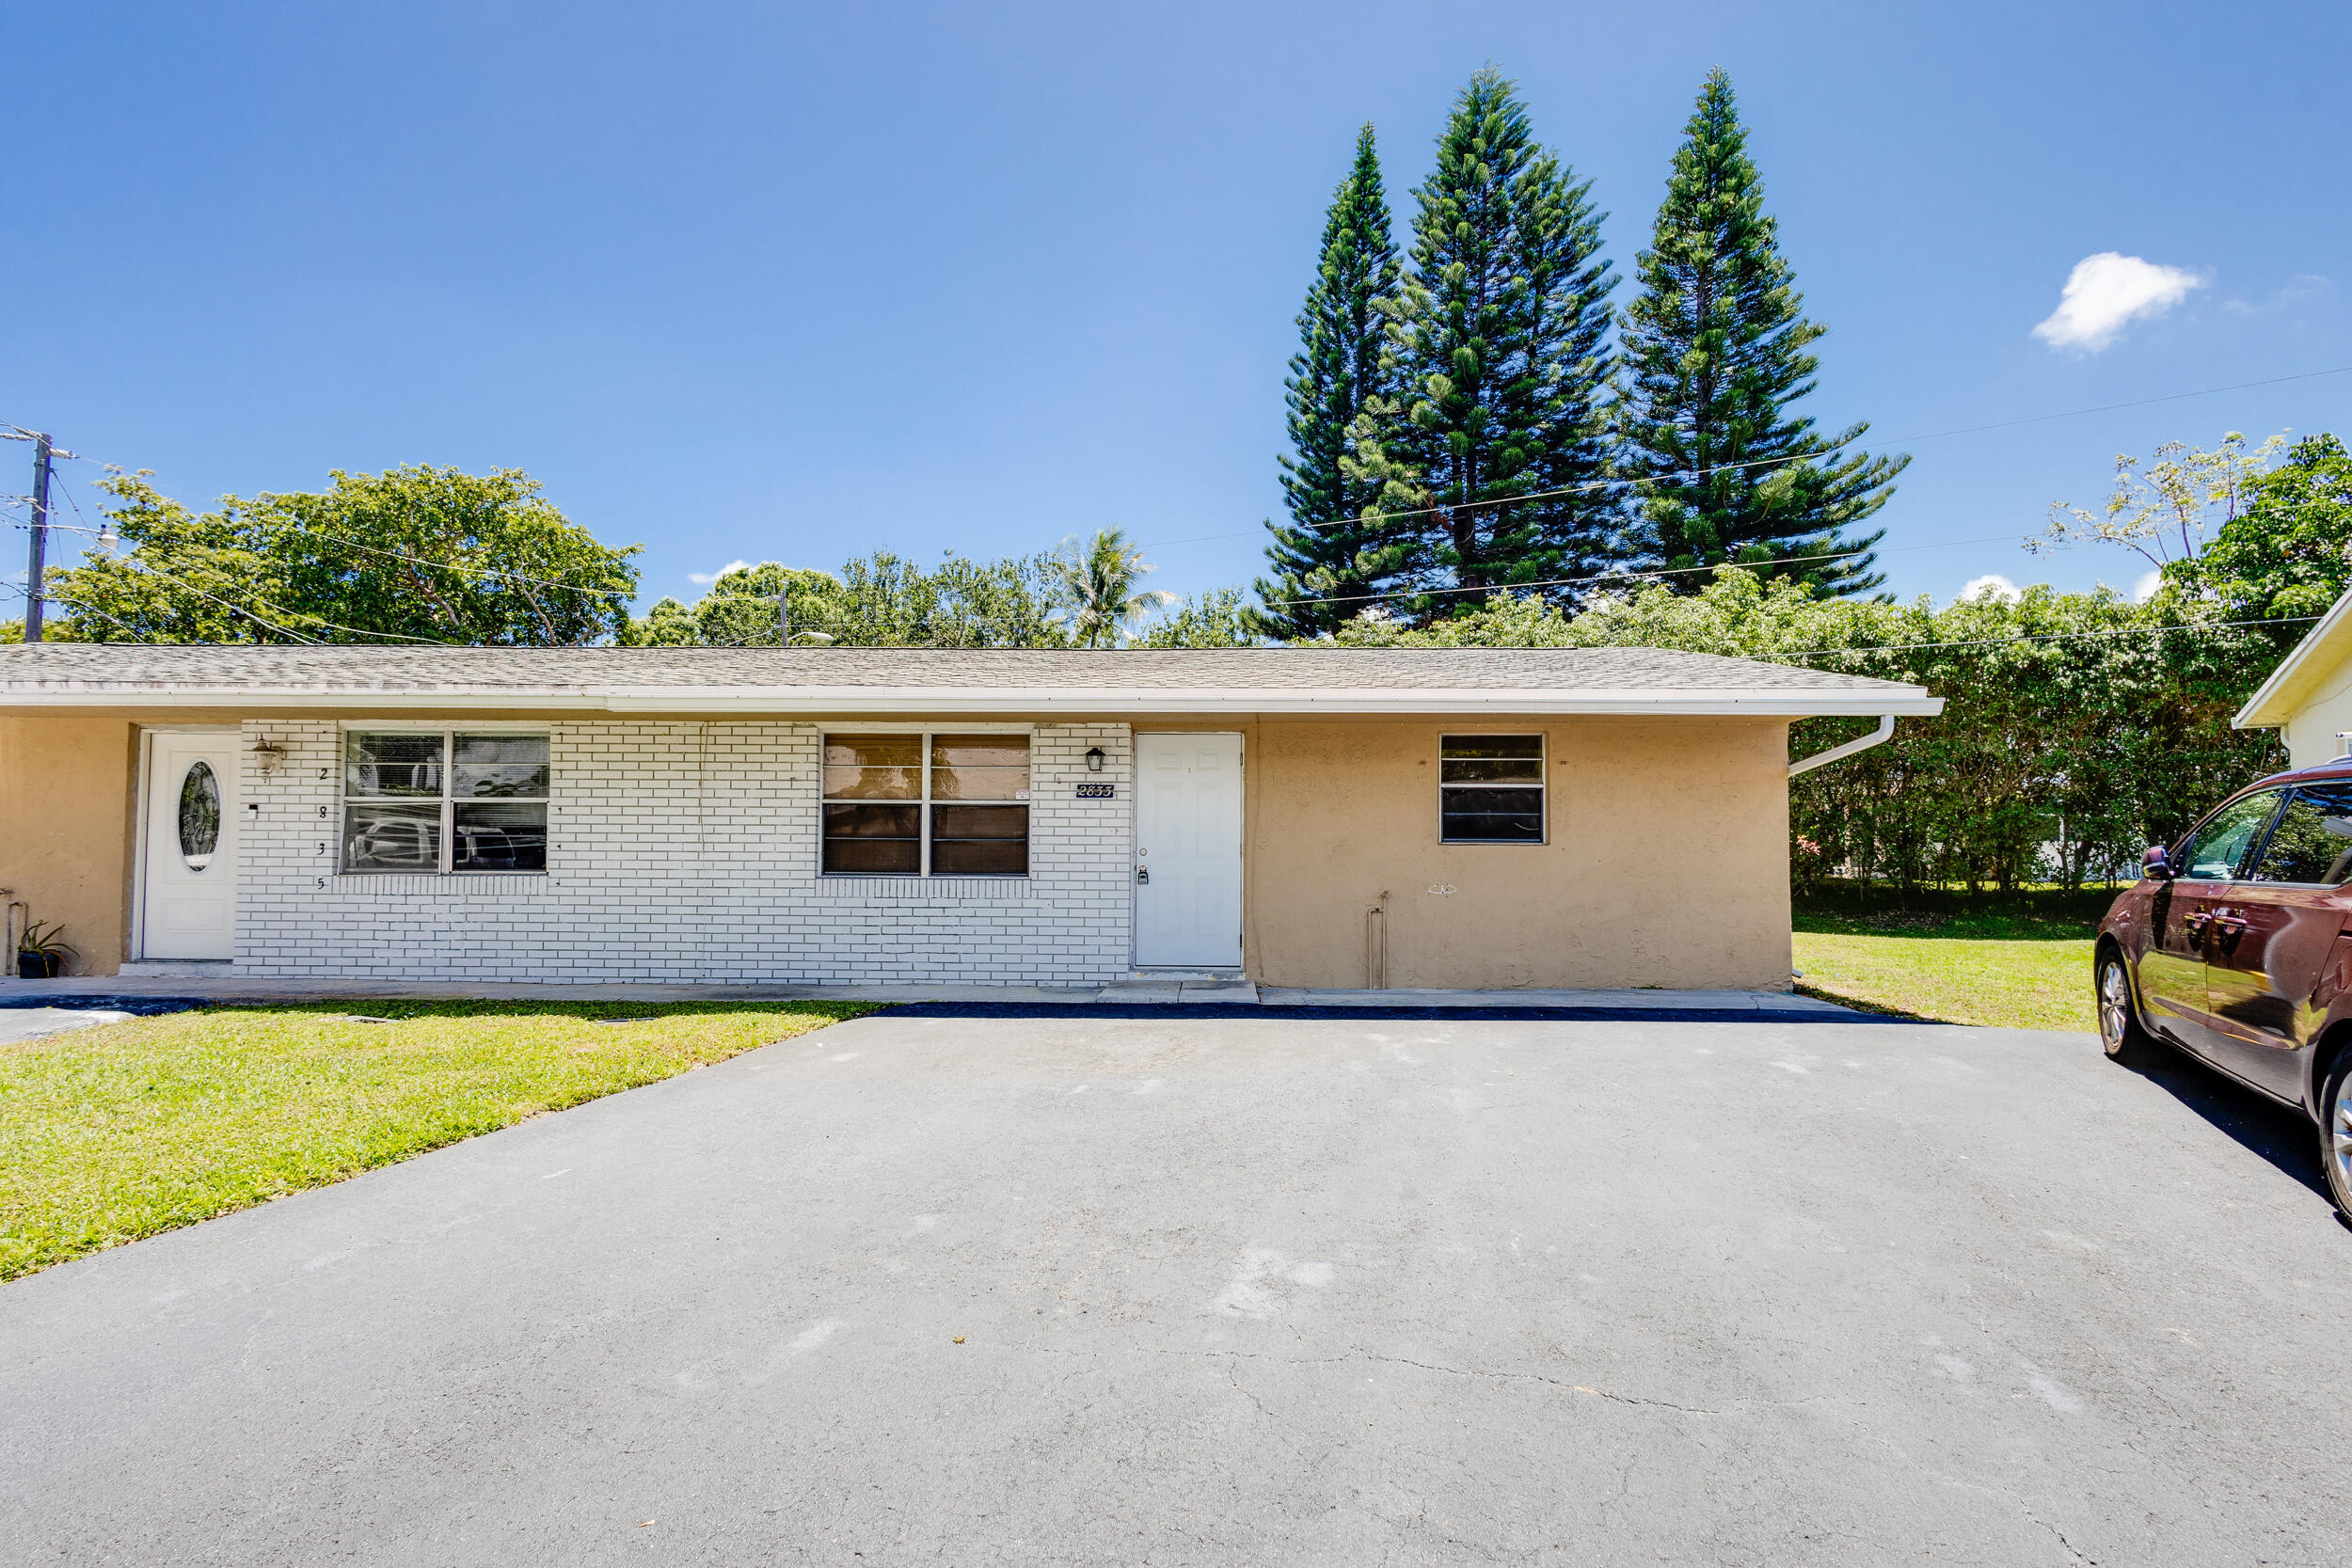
[[40, 538]]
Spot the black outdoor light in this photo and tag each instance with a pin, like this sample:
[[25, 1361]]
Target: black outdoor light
[[1094, 759]]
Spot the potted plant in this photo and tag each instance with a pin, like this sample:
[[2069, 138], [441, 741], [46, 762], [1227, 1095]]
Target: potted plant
[[40, 956]]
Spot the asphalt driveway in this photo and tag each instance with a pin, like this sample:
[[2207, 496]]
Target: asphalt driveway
[[1244, 1291]]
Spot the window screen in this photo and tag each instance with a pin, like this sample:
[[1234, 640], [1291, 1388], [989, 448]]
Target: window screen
[[2313, 843], [444, 800], [926, 803], [1490, 789]]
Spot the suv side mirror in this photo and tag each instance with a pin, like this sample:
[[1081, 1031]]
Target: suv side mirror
[[2158, 864]]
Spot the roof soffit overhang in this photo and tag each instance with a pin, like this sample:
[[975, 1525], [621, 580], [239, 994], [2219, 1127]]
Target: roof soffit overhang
[[2306, 669]]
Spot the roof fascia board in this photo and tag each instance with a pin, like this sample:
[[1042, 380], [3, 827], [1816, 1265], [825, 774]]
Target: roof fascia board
[[2257, 713], [1909, 701]]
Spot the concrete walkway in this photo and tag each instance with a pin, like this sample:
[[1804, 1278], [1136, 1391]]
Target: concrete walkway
[[151, 993]]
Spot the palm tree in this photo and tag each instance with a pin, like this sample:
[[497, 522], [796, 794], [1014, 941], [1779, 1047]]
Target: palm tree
[[1094, 586]]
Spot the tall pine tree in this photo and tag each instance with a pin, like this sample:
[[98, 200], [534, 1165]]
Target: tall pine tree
[[1328, 551], [1499, 449], [1715, 351]]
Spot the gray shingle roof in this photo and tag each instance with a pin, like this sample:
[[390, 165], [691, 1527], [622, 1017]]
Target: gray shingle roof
[[59, 668]]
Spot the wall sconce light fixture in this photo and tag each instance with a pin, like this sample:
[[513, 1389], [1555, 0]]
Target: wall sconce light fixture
[[267, 754], [1094, 759]]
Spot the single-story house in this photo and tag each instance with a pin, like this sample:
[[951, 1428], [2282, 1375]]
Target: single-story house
[[1302, 816], [2308, 699]]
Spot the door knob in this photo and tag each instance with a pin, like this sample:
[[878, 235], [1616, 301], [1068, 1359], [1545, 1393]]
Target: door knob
[[1143, 874]]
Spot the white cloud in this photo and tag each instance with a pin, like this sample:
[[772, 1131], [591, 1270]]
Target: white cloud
[[2108, 291], [707, 579], [2145, 589], [1992, 586]]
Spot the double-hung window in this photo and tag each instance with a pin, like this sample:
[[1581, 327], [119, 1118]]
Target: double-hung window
[[927, 804], [435, 801], [1490, 789]]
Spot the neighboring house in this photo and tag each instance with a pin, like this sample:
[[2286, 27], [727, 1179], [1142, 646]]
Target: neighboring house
[[1542, 817], [2308, 699]]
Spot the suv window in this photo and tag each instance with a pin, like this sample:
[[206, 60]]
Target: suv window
[[2313, 843], [2214, 853]]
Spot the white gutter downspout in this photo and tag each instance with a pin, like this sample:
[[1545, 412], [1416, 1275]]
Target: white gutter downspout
[[1839, 753]]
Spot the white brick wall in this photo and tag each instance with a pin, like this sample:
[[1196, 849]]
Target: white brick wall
[[686, 852]]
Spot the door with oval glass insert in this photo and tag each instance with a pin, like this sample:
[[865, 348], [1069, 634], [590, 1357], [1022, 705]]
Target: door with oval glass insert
[[190, 902]]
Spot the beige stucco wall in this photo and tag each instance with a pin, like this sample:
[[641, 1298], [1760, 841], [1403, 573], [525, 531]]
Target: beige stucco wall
[[65, 828], [1666, 862], [2310, 730]]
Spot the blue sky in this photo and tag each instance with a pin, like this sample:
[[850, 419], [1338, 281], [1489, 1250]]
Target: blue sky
[[798, 282]]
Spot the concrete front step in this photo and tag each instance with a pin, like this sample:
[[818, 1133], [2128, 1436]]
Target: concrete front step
[[1235, 992]]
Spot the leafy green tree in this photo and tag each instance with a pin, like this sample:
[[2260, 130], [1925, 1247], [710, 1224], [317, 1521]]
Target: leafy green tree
[[2287, 551], [1715, 351], [1217, 618], [1095, 594], [2164, 509], [888, 601], [1331, 549], [412, 554], [1498, 450], [741, 608], [882, 600], [668, 625]]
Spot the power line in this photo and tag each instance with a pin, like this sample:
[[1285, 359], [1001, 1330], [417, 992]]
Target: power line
[[1729, 468], [23, 434], [397, 555], [86, 609], [281, 610], [1639, 577], [300, 615], [2044, 637], [157, 571], [237, 610], [16, 433], [479, 571]]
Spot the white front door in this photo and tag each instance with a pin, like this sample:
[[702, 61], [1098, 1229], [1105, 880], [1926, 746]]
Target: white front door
[[1189, 851], [188, 907]]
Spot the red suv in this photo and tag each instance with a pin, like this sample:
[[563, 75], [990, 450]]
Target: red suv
[[2234, 947]]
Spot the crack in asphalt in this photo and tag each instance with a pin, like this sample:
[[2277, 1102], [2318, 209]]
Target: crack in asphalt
[[1357, 1353]]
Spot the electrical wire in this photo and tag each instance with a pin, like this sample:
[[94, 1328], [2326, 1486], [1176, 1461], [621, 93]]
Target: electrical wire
[[352, 543], [297, 614], [143, 566], [2044, 637], [237, 610], [1766, 462], [16, 432], [1641, 576], [86, 609]]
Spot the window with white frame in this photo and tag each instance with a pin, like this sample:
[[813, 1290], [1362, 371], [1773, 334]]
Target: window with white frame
[[927, 803], [437, 801], [1490, 789]]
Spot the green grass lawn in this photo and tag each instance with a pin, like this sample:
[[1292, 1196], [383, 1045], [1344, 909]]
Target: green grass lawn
[[2021, 961], [122, 1131]]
